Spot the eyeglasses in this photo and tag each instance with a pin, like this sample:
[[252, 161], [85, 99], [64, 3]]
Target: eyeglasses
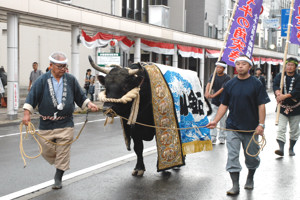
[[64, 66]]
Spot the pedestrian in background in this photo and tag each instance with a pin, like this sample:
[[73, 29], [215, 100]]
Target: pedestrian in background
[[55, 93], [260, 77], [3, 83], [218, 86], [245, 97], [87, 81], [290, 105], [34, 74], [92, 88]]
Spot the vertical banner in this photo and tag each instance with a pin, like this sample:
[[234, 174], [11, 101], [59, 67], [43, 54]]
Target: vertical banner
[[295, 32], [285, 13], [243, 31], [16, 96]]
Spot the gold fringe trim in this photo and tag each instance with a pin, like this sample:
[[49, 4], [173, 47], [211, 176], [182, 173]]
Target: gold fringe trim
[[196, 146]]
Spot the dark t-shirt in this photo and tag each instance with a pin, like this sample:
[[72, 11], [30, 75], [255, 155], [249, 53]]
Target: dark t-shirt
[[219, 83], [243, 98]]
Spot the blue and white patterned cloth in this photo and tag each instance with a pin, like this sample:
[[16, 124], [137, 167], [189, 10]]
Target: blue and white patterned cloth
[[190, 106]]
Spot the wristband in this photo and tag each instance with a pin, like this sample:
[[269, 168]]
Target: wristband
[[262, 125]]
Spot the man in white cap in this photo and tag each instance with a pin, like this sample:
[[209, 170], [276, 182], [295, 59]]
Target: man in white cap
[[245, 97], [290, 106], [218, 86], [55, 93]]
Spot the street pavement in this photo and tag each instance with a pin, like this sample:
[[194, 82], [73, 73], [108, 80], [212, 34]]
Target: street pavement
[[203, 176]]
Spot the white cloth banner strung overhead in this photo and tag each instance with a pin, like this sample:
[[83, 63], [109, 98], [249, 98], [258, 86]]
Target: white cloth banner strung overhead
[[212, 53], [103, 39], [157, 47], [261, 60], [187, 51]]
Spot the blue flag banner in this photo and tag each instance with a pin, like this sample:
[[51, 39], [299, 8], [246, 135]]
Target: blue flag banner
[[243, 31], [285, 13]]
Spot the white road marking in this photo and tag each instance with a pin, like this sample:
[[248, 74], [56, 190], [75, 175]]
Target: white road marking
[[112, 163], [13, 134]]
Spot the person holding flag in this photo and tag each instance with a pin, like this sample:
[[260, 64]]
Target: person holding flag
[[245, 98], [289, 99], [218, 86]]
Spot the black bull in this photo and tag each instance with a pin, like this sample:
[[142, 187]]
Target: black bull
[[118, 81]]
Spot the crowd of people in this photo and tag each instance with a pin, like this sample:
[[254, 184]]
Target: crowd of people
[[241, 94]]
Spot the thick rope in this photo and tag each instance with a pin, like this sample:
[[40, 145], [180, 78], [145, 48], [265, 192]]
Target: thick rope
[[134, 94], [30, 129], [261, 143], [129, 96], [134, 110]]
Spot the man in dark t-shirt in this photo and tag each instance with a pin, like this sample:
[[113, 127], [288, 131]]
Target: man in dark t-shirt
[[245, 97], [218, 86]]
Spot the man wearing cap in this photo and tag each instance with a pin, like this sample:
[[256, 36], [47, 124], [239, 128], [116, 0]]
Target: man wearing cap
[[290, 105], [55, 93], [218, 86], [245, 97]]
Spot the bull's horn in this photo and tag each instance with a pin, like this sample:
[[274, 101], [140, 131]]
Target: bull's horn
[[114, 65], [100, 69], [133, 71]]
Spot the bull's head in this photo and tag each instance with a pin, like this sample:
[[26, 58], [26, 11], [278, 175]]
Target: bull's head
[[117, 82]]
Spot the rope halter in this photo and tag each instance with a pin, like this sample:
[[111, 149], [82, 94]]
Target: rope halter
[[129, 96]]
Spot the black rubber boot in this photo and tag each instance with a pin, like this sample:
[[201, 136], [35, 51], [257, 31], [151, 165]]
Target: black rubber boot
[[57, 179], [291, 149], [280, 151], [250, 183], [235, 176]]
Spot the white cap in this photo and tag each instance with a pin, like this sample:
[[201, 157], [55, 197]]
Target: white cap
[[221, 64], [244, 59], [58, 57]]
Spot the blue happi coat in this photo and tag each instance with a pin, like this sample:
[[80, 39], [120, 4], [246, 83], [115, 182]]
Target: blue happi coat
[[43, 96]]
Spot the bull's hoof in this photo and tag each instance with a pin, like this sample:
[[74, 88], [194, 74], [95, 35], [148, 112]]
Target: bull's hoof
[[134, 172], [137, 172], [140, 173]]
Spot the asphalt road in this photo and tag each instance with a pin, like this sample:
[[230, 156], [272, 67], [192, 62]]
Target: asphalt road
[[101, 169], [96, 144]]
